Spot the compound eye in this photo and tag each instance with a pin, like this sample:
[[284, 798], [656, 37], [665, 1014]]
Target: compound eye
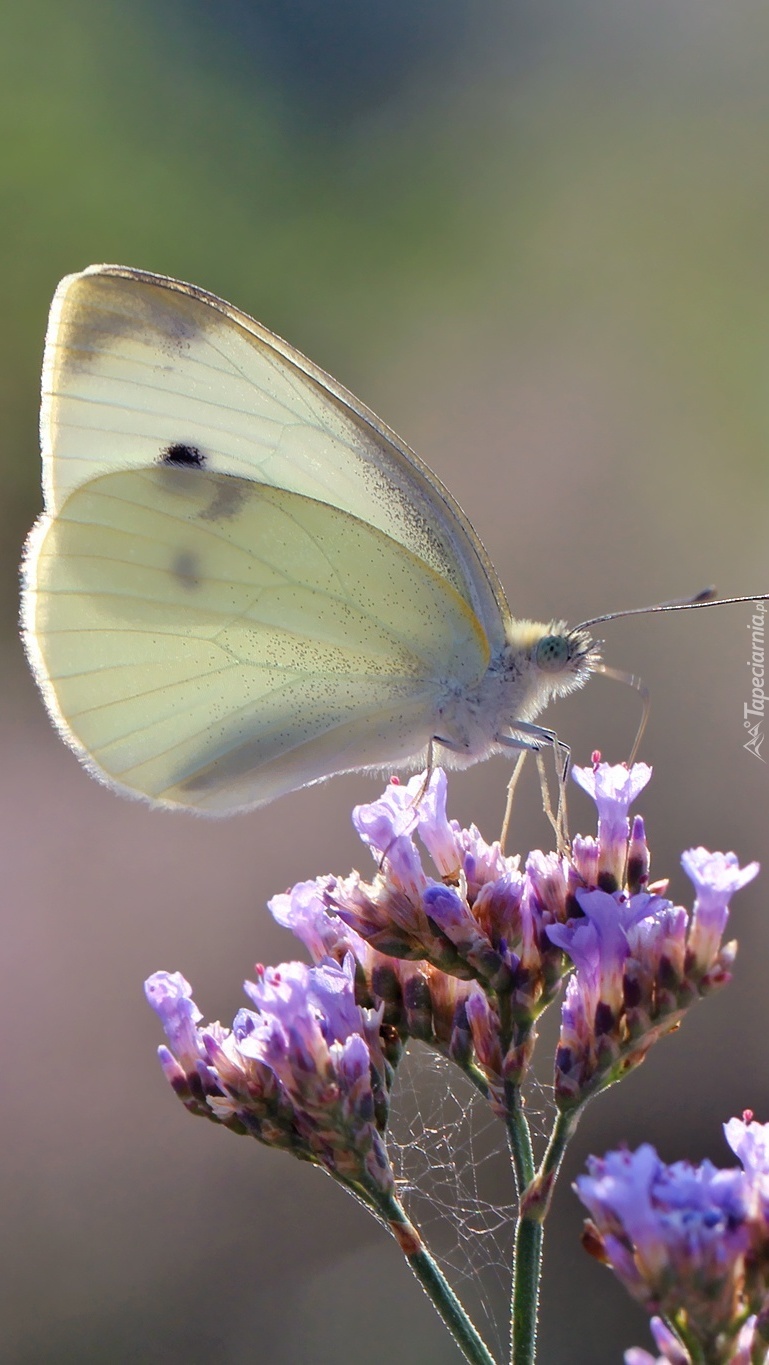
[[552, 653]]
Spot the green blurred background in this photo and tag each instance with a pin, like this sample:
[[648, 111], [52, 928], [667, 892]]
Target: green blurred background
[[535, 238]]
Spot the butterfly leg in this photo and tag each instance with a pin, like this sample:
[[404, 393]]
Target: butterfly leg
[[540, 735], [430, 764], [559, 819], [511, 786]]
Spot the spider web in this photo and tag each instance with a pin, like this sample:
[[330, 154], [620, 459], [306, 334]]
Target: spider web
[[454, 1177]]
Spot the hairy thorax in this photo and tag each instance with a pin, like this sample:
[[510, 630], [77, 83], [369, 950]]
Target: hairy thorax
[[536, 663]]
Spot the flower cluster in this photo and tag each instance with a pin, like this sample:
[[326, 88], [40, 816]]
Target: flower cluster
[[461, 961], [468, 959], [482, 919], [691, 1243], [639, 960], [465, 960], [304, 1070]]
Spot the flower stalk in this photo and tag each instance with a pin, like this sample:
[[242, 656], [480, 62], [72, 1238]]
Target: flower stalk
[[435, 1284]]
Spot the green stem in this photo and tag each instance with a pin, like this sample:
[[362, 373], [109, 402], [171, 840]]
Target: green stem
[[689, 1340], [434, 1283], [528, 1269], [537, 1199], [519, 1138], [529, 1236], [477, 1078], [473, 1073]]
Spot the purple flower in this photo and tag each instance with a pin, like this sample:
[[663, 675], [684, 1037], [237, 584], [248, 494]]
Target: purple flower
[[392, 815], [471, 923], [750, 1143], [585, 853], [637, 857], [439, 834], [598, 944], [547, 875], [445, 907], [690, 1242], [613, 789], [386, 826], [640, 961], [638, 964], [740, 1350], [657, 945], [392, 918], [748, 1338], [675, 1235], [484, 1028], [170, 995], [304, 910], [303, 1070], [673, 1353], [481, 863], [306, 1012], [716, 877]]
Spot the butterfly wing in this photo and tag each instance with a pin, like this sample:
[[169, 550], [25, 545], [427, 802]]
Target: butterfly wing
[[211, 642], [137, 365]]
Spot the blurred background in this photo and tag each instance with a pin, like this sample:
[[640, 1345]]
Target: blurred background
[[535, 239]]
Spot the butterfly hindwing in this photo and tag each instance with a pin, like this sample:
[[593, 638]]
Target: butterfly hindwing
[[211, 641]]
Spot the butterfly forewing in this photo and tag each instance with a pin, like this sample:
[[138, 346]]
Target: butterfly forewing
[[137, 365]]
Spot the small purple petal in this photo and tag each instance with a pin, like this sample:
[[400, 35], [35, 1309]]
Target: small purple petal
[[750, 1143], [613, 789], [716, 877], [613, 785], [746, 1340], [403, 867], [171, 1069], [668, 1343], [304, 911], [394, 813], [448, 909], [716, 874], [437, 832], [170, 995], [673, 1353]]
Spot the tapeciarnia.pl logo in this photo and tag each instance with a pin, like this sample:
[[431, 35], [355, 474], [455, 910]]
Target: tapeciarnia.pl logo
[[753, 711]]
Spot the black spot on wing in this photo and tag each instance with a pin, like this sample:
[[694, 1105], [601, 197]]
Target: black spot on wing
[[182, 456], [186, 570]]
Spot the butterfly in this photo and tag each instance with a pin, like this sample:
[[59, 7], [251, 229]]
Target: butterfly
[[243, 582]]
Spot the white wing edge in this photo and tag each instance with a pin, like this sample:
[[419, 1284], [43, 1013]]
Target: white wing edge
[[32, 547]]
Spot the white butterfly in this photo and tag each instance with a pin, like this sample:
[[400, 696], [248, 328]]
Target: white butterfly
[[243, 582]]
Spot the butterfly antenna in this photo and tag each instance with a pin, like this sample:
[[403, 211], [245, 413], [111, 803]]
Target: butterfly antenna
[[705, 598]]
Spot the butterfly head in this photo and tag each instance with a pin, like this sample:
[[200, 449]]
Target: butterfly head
[[570, 656], [545, 661]]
